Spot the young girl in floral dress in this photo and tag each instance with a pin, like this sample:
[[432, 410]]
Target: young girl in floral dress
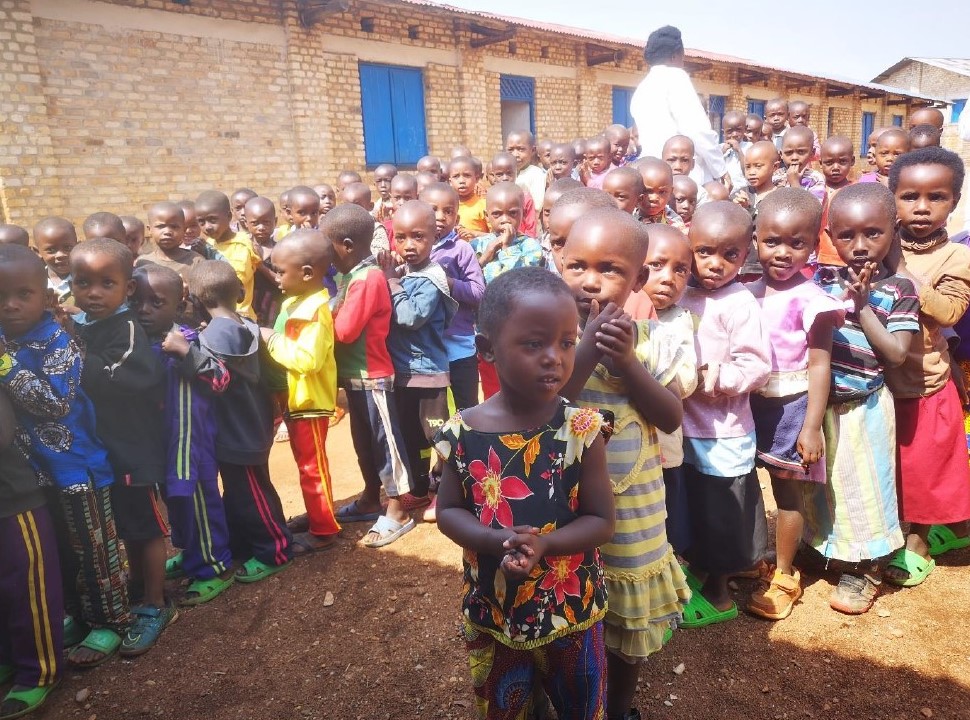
[[525, 492]]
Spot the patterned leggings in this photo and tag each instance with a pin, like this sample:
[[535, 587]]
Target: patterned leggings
[[571, 669]]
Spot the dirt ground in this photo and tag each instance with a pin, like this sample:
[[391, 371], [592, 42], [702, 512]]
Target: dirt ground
[[387, 648]]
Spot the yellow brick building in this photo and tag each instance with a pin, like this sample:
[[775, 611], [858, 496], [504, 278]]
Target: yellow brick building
[[116, 104]]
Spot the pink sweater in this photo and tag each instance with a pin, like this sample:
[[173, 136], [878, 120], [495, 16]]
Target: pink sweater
[[730, 342]]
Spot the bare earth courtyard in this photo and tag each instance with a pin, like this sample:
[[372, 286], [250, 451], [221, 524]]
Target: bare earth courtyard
[[387, 647]]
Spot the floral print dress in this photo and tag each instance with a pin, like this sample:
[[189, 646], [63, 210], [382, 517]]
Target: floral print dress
[[527, 478]]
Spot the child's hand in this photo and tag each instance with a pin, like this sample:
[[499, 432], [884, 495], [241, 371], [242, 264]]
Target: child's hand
[[597, 318], [584, 172], [389, 264], [743, 199], [615, 340], [175, 343], [860, 286], [794, 175], [63, 315], [463, 233], [810, 445], [523, 552]]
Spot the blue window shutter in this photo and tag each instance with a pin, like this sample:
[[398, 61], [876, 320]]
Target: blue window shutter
[[716, 105], [621, 106], [517, 88], [897, 120], [756, 107], [376, 109], [958, 108], [868, 125], [407, 103]]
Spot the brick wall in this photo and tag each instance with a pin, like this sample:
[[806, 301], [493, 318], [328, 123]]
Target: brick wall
[[926, 79], [116, 104]]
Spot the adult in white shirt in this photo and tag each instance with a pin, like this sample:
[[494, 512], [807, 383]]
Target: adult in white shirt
[[666, 104]]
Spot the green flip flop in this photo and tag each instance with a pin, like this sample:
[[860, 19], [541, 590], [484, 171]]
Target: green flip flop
[[254, 570], [913, 563], [74, 631], [700, 613], [30, 699], [173, 567], [100, 640], [942, 540], [200, 592]]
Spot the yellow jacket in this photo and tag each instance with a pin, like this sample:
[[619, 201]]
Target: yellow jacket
[[303, 344]]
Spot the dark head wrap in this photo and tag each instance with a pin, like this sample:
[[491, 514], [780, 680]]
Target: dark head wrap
[[663, 44]]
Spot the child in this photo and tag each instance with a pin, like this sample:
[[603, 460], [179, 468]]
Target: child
[[853, 518], [530, 177], [31, 596], [753, 125], [13, 235], [798, 319], [678, 153], [796, 153], [54, 238], [562, 163], [404, 187], [302, 342], [668, 265], [361, 323], [927, 115], [571, 206], [283, 229], [543, 150], [733, 129], [625, 186], [466, 285], [125, 382], [424, 180], [359, 194], [622, 367], [328, 197], [800, 115], [776, 121], [504, 170], [261, 221], [166, 229], [555, 191], [193, 239], [619, 137], [465, 177], [383, 174], [304, 208], [925, 135], [933, 475], [431, 164], [889, 146], [598, 162], [134, 234], [836, 158], [215, 217], [502, 249], [195, 508], [658, 183], [422, 309], [237, 202], [40, 369], [104, 224], [535, 596], [683, 198], [761, 160], [244, 418], [727, 517], [345, 177]]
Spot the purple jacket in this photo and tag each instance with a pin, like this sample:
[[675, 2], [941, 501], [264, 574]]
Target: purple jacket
[[461, 266]]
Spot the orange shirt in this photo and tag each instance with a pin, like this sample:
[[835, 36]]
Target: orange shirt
[[471, 215]]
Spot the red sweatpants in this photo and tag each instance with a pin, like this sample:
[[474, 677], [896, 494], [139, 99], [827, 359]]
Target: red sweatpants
[[308, 438]]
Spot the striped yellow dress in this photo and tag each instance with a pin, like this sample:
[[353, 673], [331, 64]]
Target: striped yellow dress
[[645, 585]]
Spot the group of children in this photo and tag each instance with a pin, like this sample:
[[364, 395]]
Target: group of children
[[605, 489]]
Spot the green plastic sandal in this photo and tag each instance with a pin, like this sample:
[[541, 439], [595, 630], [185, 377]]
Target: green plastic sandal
[[173, 567], [30, 699], [74, 631], [942, 540], [915, 564], [200, 592], [700, 613], [254, 570], [100, 640]]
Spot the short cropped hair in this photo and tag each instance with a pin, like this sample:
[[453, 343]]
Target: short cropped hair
[[104, 224], [169, 277], [928, 156], [108, 247], [590, 197], [214, 283], [866, 194], [12, 253], [348, 221], [501, 294], [795, 200]]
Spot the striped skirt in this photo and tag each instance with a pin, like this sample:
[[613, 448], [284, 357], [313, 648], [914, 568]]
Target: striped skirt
[[855, 515]]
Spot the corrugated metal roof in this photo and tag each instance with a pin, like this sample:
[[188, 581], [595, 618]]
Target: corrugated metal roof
[[639, 43]]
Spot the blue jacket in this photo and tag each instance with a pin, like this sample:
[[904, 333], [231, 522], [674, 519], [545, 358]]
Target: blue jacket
[[56, 417], [421, 312]]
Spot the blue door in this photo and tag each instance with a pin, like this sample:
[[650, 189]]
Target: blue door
[[392, 107], [756, 107], [621, 106], [868, 125], [716, 105]]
